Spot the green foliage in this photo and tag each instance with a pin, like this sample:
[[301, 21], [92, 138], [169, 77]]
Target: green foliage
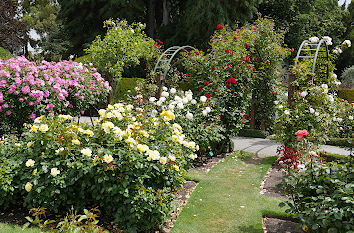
[[254, 133], [5, 54], [303, 19], [128, 163], [126, 88], [347, 79], [347, 94], [124, 45], [322, 195]]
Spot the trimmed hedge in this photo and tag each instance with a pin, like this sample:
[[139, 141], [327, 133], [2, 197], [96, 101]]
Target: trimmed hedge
[[344, 142], [5, 54], [330, 157], [125, 88], [254, 133], [347, 94]]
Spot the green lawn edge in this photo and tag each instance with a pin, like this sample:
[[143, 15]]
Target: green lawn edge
[[227, 199]]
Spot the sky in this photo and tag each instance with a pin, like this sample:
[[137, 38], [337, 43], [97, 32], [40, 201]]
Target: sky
[[342, 1]]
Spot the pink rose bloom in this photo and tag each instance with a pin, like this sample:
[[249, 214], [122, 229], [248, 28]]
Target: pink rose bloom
[[301, 166], [5, 105], [26, 89], [51, 114], [301, 133], [32, 116], [30, 103], [8, 112], [50, 106]]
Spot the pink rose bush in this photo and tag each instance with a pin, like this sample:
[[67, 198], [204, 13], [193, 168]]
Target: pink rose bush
[[28, 89]]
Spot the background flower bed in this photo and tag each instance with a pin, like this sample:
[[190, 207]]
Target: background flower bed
[[28, 90], [130, 164]]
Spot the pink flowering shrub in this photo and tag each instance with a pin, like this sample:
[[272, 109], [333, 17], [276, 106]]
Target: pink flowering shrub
[[28, 89]]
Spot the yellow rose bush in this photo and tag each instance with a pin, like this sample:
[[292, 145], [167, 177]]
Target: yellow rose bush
[[130, 164]]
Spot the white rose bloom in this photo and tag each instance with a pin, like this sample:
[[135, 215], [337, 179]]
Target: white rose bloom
[[107, 158], [276, 102], [208, 109], [180, 105], [164, 88], [178, 99], [54, 171], [324, 86], [86, 151], [328, 40], [203, 99], [334, 119], [350, 118], [189, 116], [317, 113], [312, 110], [329, 43], [28, 186], [193, 101], [158, 103], [173, 90], [171, 106], [162, 99], [30, 163], [341, 128], [337, 50], [154, 112], [304, 93], [314, 39], [330, 98], [286, 112], [334, 76], [339, 119], [189, 97], [163, 160], [165, 94], [184, 100], [347, 43], [337, 83], [205, 112], [280, 106], [152, 99]]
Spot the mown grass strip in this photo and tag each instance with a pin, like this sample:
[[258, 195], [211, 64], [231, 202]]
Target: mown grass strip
[[9, 228], [227, 198]]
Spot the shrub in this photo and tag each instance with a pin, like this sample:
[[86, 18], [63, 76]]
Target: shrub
[[347, 78], [28, 90], [5, 54], [347, 94], [129, 164], [125, 88], [322, 195], [254, 133], [342, 142]]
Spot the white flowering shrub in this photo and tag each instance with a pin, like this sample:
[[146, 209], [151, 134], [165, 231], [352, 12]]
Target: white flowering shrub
[[198, 119], [129, 164]]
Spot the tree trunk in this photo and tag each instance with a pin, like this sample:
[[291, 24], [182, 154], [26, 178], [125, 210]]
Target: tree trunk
[[291, 89], [253, 113], [159, 84], [166, 9], [151, 23]]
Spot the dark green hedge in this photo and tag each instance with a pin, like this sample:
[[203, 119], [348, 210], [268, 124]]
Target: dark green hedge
[[125, 87], [347, 94], [254, 133], [5, 54]]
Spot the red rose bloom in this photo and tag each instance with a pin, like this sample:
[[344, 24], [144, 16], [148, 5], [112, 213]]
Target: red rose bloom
[[184, 50], [235, 37], [200, 89], [213, 68], [273, 92], [187, 74], [206, 83], [227, 86], [247, 46], [234, 93], [247, 59], [255, 59], [227, 51], [208, 96], [189, 54], [248, 115], [197, 53], [241, 111], [220, 26], [254, 69], [267, 62], [292, 49], [233, 80]]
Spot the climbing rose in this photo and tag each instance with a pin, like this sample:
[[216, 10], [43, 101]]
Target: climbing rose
[[220, 26], [206, 83], [247, 46], [213, 68], [208, 95]]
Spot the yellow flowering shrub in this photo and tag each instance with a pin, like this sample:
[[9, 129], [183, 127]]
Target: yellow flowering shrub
[[130, 163]]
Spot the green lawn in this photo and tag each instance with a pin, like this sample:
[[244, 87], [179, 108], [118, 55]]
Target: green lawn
[[227, 198], [7, 228]]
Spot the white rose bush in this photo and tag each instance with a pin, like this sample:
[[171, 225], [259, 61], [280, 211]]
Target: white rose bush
[[130, 164]]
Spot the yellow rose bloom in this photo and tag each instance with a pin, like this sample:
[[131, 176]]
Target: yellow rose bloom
[[39, 119], [142, 148], [43, 128], [163, 160], [30, 163], [29, 144], [75, 142], [176, 167], [172, 158], [28, 186], [167, 115], [34, 128], [54, 171], [107, 158]]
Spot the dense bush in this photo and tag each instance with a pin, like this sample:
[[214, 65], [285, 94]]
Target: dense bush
[[347, 78], [126, 88], [254, 133], [129, 164], [5, 54], [28, 90], [347, 94], [321, 194]]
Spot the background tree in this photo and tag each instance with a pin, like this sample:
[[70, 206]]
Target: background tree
[[11, 29]]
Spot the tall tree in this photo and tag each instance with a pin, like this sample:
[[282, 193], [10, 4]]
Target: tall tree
[[12, 31]]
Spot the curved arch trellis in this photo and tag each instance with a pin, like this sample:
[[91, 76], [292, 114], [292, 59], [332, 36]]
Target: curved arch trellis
[[164, 61], [308, 47]]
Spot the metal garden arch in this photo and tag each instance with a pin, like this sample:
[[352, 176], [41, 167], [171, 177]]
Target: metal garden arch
[[164, 62]]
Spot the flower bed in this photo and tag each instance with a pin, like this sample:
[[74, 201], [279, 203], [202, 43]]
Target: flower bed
[[28, 90], [129, 164]]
